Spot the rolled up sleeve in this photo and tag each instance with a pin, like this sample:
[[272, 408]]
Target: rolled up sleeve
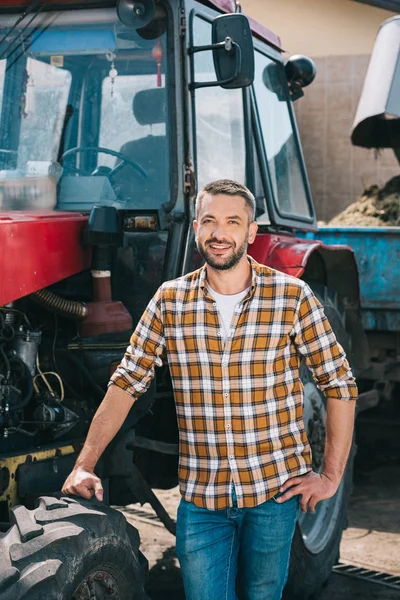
[[324, 356], [145, 352]]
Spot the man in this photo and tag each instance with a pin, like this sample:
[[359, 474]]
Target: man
[[234, 333]]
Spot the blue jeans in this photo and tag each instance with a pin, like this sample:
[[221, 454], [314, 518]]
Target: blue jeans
[[236, 550]]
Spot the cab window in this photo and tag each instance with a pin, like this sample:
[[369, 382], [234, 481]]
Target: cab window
[[219, 120], [281, 146]]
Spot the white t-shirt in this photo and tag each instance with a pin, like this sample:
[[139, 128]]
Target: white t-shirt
[[226, 305]]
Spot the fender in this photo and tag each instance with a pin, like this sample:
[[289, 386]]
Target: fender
[[333, 266], [38, 249]]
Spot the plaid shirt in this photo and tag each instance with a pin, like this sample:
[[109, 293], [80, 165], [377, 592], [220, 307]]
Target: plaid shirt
[[239, 404]]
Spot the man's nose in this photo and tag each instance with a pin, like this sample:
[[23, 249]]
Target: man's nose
[[219, 232]]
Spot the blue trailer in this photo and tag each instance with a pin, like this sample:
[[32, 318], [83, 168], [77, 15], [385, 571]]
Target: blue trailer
[[377, 249], [377, 252]]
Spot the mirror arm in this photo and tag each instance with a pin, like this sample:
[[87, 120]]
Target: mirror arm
[[219, 46], [229, 46]]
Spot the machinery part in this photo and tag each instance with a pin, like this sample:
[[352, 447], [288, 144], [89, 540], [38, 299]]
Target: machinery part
[[100, 393], [140, 488], [25, 345], [70, 550], [50, 414], [131, 480], [315, 547], [103, 232], [385, 579], [35, 470], [144, 516], [66, 308], [9, 391], [104, 316]]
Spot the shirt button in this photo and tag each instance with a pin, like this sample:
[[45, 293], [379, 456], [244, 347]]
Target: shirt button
[[226, 395], [231, 456], [224, 363], [214, 304], [228, 426]]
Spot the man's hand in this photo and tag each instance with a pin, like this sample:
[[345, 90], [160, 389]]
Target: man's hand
[[312, 487], [83, 483]]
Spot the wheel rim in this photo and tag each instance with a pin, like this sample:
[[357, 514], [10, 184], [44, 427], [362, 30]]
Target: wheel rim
[[97, 585], [317, 528]]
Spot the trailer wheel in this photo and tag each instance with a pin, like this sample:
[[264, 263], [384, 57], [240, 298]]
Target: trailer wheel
[[316, 542], [70, 550]]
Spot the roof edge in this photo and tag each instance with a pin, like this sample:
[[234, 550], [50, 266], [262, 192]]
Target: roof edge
[[262, 32]]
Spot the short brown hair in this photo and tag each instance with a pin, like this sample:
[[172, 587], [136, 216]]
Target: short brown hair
[[229, 188]]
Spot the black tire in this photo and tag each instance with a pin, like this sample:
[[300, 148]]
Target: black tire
[[65, 547], [310, 567]]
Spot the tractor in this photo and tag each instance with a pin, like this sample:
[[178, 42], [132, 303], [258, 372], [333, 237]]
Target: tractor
[[113, 115]]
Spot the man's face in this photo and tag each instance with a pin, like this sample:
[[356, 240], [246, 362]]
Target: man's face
[[223, 230]]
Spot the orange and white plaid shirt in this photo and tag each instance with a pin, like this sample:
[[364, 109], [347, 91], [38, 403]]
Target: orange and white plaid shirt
[[239, 404]]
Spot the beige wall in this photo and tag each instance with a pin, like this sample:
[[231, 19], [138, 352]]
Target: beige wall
[[339, 35], [320, 27], [338, 171]]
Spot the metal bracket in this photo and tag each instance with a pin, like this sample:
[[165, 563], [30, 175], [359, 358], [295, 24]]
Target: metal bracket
[[230, 47], [189, 179]]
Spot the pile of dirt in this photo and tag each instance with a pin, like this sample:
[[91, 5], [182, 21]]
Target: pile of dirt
[[377, 207]]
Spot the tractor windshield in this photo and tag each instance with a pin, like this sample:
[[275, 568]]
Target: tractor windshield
[[84, 116]]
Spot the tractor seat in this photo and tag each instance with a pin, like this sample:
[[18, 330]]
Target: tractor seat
[[150, 152]]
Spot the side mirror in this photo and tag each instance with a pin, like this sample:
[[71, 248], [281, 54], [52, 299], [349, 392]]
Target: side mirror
[[300, 72], [233, 52]]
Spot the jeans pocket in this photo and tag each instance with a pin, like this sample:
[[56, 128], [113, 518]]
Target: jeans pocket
[[277, 495]]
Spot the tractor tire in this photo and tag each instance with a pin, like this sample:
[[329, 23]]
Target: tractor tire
[[70, 550], [316, 542]]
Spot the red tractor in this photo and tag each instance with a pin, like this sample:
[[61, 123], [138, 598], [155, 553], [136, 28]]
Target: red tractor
[[121, 111]]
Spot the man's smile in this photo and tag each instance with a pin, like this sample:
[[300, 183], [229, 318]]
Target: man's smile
[[219, 248]]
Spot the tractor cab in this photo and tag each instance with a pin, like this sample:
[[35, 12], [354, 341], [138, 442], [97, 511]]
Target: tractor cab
[[99, 107]]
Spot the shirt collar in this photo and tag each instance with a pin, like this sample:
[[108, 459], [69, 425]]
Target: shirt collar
[[255, 267]]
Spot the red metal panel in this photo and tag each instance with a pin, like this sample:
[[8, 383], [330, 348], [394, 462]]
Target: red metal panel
[[38, 249], [286, 254]]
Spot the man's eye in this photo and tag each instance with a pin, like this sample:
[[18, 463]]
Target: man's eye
[[233, 222]]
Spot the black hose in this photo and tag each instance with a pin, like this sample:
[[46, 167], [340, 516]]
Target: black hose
[[29, 385], [67, 308], [75, 360]]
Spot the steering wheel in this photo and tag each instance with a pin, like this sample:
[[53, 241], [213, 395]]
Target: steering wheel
[[124, 160]]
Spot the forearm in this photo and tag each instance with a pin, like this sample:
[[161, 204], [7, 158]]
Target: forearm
[[107, 421], [339, 435]]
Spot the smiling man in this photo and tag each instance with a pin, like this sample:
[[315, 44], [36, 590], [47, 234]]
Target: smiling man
[[234, 333]]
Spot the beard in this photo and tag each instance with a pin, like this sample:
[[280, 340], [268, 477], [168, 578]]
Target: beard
[[223, 263]]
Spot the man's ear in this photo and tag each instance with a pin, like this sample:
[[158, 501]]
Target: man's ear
[[253, 228], [195, 225]]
